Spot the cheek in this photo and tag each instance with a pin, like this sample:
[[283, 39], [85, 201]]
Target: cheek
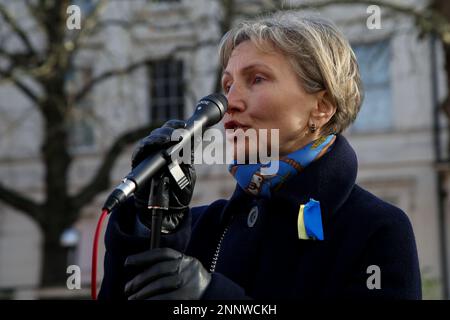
[[292, 127], [291, 123], [281, 108], [265, 113], [287, 116]]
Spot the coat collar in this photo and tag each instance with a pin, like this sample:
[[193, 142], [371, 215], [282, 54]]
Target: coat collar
[[328, 180]]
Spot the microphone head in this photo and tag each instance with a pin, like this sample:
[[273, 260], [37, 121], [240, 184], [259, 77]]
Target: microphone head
[[214, 106], [220, 101]]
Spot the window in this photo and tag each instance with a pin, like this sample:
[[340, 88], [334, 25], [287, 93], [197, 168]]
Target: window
[[376, 111], [166, 90]]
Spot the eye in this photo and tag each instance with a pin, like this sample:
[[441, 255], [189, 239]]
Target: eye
[[258, 79], [226, 88]]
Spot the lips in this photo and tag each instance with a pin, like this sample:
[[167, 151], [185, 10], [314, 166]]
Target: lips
[[234, 125]]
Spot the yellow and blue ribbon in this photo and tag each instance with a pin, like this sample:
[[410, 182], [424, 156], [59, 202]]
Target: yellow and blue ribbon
[[309, 221]]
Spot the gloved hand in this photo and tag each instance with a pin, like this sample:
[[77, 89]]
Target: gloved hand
[[178, 199], [167, 275]]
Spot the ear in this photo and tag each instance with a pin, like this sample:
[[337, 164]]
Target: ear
[[323, 111]]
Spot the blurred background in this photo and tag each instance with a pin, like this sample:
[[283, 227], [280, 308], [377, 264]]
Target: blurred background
[[82, 81]]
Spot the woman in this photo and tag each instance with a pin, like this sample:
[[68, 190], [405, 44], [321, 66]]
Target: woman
[[310, 232]]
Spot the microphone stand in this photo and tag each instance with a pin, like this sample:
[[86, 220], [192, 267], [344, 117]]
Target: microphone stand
[[159, 203]]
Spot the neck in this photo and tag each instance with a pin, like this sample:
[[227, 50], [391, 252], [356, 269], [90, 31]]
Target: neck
[[307, 139]]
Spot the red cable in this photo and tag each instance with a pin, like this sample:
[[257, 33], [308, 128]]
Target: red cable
[[94, 255]]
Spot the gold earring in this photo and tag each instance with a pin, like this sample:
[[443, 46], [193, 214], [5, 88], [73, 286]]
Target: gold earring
[[313, 128]]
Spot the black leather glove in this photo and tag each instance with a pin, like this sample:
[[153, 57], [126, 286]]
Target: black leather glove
[[178, 199], [167, 275]]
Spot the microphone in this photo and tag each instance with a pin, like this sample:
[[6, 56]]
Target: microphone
[[208, 111]]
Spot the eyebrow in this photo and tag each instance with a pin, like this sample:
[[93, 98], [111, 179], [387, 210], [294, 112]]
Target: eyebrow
[[250, 67]]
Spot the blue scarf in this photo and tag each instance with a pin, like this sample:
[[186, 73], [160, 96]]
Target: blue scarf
[[253, 181]]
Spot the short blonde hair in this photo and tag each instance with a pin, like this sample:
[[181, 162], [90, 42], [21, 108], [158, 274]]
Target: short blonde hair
[[318, 53]]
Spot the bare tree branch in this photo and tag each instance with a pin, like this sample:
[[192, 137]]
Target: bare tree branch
[[90, 23], [19, 61], [128, 25], [327, 3], [11, 124], [9, 76], [18, 30], [130, 68], [6, 54], [101, 181], [19, 201], [105, 76], [35, 11]]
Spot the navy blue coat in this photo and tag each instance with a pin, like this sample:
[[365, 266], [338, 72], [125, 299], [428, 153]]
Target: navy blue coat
[[265, 258]]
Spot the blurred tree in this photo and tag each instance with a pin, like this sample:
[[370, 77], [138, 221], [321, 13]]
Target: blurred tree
[[47, 70], [41, 75]]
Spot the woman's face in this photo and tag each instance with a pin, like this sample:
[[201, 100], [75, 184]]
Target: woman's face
[[264, 92]]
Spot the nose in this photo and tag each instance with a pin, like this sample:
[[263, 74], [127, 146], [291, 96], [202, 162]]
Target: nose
[[235, 98]]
